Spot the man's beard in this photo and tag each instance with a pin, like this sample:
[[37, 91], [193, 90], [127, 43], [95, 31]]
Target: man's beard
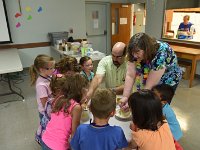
[[116, 63]]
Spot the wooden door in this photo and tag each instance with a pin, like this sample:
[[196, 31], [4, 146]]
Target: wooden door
[[120, 23]]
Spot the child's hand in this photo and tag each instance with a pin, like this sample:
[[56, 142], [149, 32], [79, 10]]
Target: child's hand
[[84, 106], [133, 127]]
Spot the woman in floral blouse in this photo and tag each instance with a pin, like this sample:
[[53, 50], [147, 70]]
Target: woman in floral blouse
[[151, 62]]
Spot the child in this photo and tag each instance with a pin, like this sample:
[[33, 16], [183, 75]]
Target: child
[[99, 135], [67, 65], [149, 130], [66, 113], [56, 84], [40, 73], [87, 67], [166, 93]]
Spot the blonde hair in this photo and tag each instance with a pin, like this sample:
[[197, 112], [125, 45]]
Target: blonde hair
[[41, 61], [103, 103], [72, 89]]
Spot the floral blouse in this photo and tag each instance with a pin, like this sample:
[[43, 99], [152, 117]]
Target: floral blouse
[[167, 58]]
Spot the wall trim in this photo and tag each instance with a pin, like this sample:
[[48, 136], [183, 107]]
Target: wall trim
[[182, 43], [26, 45]]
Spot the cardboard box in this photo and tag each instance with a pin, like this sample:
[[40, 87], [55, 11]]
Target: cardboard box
[[186, 68]]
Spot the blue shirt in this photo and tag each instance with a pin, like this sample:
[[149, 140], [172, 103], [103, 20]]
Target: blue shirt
[[88, 137], [166, 58], [172, 121], [183, 27], [90, 77]]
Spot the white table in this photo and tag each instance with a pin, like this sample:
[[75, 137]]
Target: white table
[[10, 62], [96, 55], [123, 124]]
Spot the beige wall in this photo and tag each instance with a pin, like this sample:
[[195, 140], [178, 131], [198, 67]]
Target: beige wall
[[57, 15], [111, 1]]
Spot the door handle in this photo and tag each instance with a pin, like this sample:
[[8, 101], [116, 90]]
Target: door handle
[[105, 32], [86, 34]]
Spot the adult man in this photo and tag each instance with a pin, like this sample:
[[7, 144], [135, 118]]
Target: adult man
[[186, 29], [112, 68]]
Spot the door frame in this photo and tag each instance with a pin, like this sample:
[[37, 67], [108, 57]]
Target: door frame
[[108, 29], [145, 11]]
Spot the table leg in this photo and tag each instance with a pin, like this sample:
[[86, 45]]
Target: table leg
[[194, 64], [11, 90]]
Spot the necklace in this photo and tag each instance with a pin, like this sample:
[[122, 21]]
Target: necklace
[[87, 77], [142, 71], [48, 77]]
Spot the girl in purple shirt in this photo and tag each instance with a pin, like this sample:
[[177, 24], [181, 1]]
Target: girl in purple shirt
[[40, 73]]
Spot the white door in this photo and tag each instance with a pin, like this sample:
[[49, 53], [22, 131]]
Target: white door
[[96, 25], [139, 22]]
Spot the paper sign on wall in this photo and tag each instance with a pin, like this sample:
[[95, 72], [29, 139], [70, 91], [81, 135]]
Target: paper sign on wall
[[113, 28], [95, 18], [123, 20], [95, 23]]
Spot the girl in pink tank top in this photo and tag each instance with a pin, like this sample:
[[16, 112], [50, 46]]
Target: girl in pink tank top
[[66, 114], [56, 84]]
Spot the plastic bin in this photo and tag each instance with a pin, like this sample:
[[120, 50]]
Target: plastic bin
[[54, 36]]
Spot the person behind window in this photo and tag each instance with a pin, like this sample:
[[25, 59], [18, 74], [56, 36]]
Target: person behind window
[[186, 29]]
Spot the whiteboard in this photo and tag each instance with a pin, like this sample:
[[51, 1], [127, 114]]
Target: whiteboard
[[54, 16], [4, 31]]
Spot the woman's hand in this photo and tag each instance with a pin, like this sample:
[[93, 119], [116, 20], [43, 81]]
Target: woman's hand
[[123, 103]]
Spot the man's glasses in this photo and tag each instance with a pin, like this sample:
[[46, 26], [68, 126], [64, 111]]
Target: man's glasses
[[118, 57]]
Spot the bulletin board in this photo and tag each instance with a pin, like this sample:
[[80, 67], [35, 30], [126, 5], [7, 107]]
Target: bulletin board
[[31, 20]]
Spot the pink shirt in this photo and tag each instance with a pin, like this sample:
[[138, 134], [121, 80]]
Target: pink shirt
[[161, 139], [59, 129], [42, 90]]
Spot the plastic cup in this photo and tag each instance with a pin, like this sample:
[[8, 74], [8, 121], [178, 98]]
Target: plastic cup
[[82, 51]]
